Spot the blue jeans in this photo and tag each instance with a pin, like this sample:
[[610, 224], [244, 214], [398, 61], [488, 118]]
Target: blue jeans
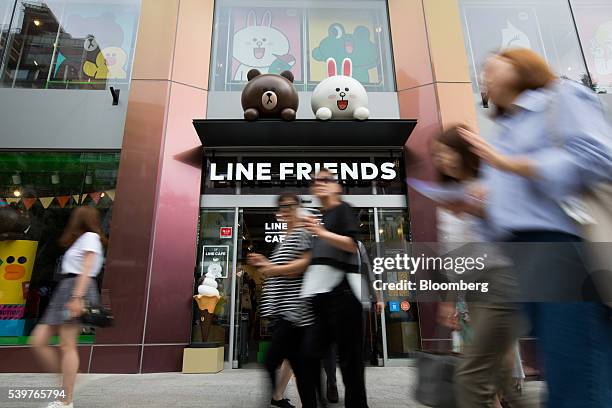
[[574, 338], [575, 348]]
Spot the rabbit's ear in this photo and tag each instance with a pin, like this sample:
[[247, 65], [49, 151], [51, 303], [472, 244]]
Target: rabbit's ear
[[251, 19], [331, 67], [266, 20], [347, 67], [253, 73]]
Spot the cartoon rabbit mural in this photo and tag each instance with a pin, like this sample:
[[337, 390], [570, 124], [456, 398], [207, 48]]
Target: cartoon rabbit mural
[[260, 46], [340, 96]]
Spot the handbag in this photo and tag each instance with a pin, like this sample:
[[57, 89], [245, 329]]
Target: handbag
[[435, 375], [591, 210], [97, 316]]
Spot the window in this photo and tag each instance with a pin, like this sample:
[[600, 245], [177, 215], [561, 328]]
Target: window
[[545, 26], [44, 187], [67, 44], [594, 22], [273, 36]]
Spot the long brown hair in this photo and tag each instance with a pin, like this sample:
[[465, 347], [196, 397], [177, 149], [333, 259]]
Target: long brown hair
[[83, 219], [533, 70], [470, 162]]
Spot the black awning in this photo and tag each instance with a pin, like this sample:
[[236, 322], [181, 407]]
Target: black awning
[[304, 134]]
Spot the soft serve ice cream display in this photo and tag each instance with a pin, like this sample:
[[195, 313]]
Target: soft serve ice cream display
[[208, 286], [207, 298]]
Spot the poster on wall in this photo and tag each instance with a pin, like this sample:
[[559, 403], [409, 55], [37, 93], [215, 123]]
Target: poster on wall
[[215, 260], [17, 259], [491, 28], [267, 39], [351, 36], [96, 44], [595, 28]]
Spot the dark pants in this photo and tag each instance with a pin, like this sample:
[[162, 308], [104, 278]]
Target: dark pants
[[329, 365], [574, 338], [286, 344], [338, 319]]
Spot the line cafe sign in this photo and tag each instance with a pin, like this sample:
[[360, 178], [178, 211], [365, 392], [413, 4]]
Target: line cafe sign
[[261, 171]]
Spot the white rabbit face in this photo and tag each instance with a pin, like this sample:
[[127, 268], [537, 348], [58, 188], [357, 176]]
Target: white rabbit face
[[259, 45], [341, 94]]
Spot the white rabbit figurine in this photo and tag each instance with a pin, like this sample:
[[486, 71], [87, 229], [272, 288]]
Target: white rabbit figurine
[[340, 96]]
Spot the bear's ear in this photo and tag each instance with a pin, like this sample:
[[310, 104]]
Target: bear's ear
[[288, 75], [253, 73], [336, 30]]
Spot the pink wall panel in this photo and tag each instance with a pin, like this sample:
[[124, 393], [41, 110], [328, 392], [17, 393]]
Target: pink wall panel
[[176, 220]]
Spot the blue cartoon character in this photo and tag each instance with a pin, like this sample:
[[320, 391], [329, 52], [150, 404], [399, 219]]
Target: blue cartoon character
[[356, 46]]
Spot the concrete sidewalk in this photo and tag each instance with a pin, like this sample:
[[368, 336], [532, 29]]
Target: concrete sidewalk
[[388, 387]]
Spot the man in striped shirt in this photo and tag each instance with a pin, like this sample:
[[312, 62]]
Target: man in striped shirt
[[281, 302]]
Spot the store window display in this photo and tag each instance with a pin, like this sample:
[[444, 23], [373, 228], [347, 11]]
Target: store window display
[[300, 37], [67, 44], [38, 191]]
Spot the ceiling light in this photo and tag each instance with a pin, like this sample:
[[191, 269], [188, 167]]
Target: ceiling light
[[37, 23], [35, 63], [17, 193], [103, 195]]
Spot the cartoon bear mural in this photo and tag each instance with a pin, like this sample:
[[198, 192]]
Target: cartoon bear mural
[[261, 47], [269, 96], [356, 46]]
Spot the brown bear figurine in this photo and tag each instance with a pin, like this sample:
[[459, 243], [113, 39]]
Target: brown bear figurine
[[269, 96]]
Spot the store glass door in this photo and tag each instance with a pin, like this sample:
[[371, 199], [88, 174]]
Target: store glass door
[[234, 232], [260, 231]]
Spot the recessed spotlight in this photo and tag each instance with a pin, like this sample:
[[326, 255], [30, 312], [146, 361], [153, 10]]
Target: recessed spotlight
[[37, 23], [17, 193]]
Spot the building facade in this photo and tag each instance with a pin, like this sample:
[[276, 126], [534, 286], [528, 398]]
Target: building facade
[[97, 104]]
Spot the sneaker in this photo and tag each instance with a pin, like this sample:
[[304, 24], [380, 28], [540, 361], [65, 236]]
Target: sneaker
[[59, 404], [284, 403], [332, 393]]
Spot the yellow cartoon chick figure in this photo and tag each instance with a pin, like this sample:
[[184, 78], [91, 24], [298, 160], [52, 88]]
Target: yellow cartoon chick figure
[[110, 64], [99, 70], [16, 264]]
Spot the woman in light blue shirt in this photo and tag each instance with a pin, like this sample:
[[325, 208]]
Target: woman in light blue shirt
[[553, 143]]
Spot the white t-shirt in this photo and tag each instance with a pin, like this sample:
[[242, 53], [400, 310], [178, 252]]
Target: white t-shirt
[[72, 261]]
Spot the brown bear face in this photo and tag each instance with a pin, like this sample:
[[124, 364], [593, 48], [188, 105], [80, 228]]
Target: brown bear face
[[269, 96]]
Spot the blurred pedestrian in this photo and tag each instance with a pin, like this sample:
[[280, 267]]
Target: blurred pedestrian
[[281, 301], [553, 143], [81, 264], [333, 283], [493, 325]]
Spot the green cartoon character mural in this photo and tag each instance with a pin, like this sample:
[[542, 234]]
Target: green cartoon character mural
[[356, 46]]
